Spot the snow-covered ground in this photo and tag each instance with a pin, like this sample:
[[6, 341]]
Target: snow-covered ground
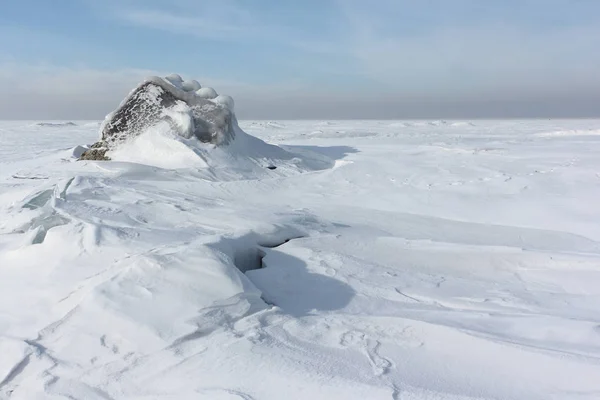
[[400, 260]]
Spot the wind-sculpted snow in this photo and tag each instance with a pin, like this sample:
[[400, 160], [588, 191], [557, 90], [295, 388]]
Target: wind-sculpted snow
[[379, 260]]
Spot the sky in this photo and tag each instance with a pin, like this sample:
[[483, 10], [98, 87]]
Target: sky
[[309, 59]]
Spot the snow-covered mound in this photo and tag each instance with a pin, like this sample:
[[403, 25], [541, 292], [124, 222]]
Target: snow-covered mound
[[189, 110], [172, 123], [246, 157]]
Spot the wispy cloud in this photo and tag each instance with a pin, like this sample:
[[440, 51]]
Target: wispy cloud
[[217, 20], [474, 58], [382, 42], [224, 20], [205, 22]]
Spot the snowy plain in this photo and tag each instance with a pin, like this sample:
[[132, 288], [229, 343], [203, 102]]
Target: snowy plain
[[385, 260]]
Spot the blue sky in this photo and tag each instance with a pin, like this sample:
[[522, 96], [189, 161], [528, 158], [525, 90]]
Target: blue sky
[[307, 59]]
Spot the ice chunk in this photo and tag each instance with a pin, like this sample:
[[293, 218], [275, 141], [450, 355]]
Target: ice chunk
[[175, 80], [206, 93], [226, 101], [191, 85]]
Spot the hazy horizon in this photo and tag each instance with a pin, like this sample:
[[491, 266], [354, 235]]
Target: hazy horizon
[[332, 59]]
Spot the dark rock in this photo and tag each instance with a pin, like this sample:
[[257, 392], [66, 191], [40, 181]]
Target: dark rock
[[97, 154]]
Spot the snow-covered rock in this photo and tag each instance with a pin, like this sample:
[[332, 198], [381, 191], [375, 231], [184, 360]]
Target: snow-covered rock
[[174, 124], [191, 111]]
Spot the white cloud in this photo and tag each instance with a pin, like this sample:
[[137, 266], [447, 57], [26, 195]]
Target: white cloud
[[217, 20], [206, 27]]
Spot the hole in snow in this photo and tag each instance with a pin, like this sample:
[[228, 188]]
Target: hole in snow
[[276, 243], [249, 259]]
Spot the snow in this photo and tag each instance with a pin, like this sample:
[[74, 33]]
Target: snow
[[158, 147], [181, 118], [379, 260]]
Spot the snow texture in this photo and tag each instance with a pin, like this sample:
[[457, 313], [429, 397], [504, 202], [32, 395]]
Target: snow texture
[[380, 260]]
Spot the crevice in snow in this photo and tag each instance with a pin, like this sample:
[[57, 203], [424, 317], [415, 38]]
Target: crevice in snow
[[251, 258], [248, 259], [247, 252], [274, 244]]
